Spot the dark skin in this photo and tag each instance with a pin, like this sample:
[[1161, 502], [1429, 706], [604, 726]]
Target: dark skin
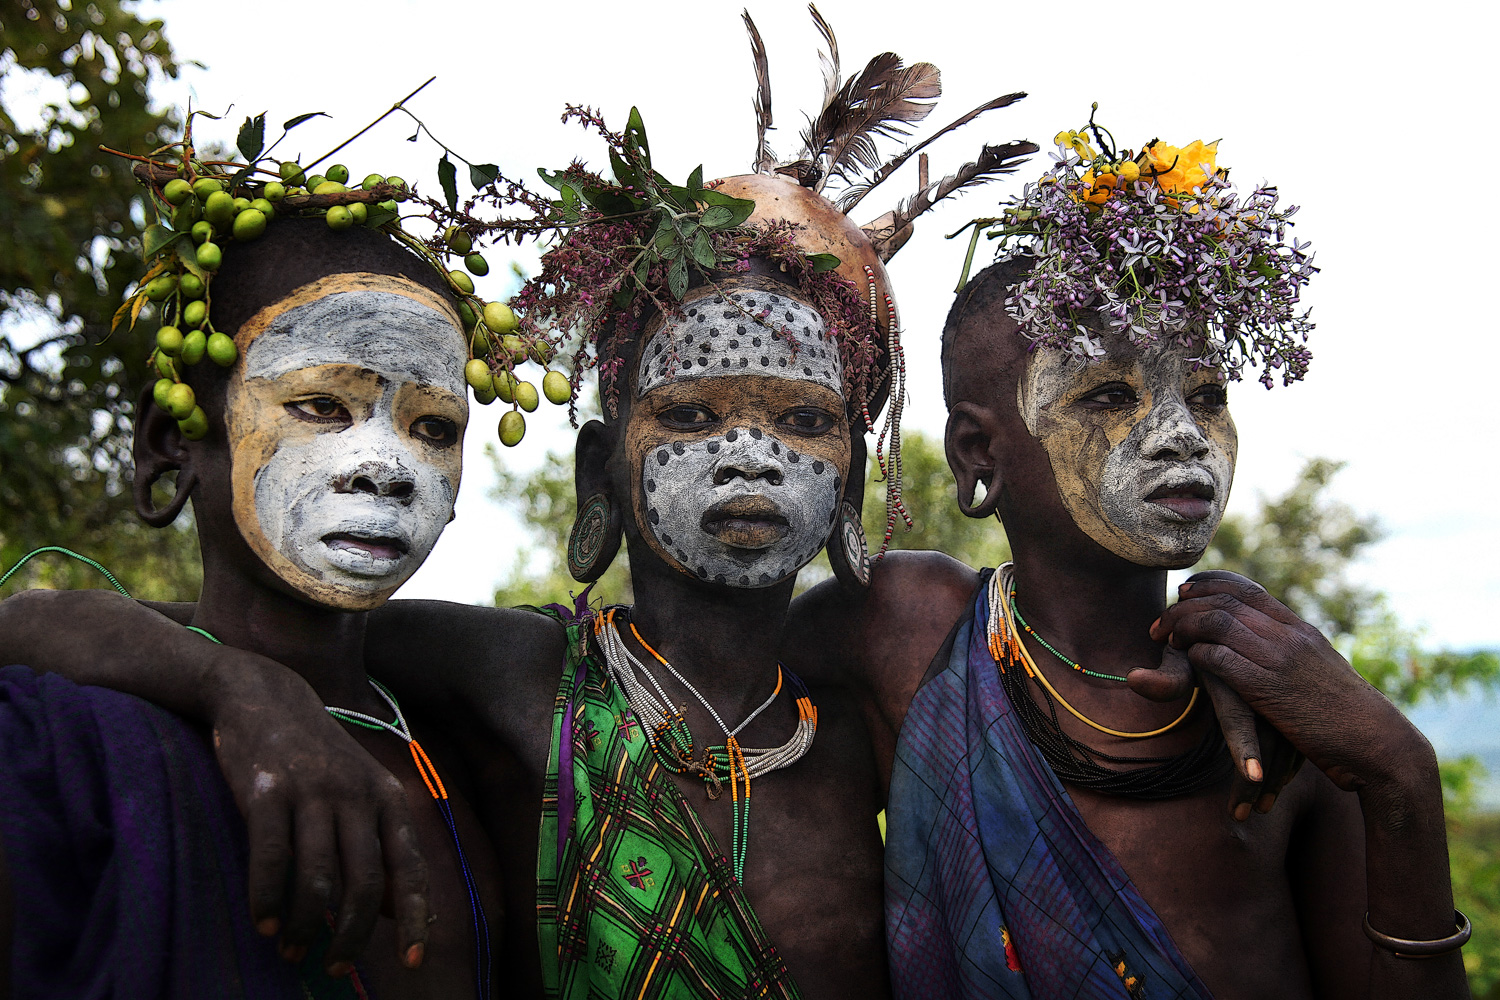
[[1262, 905], [490, 676], [390, 823]]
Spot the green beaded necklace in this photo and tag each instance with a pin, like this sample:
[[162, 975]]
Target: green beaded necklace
[[1049, 648]]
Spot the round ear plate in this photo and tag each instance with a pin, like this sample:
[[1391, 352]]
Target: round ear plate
[[586, 542], [852, 541]]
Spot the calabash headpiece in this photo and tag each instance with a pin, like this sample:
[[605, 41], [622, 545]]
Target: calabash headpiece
[[1157, 247]]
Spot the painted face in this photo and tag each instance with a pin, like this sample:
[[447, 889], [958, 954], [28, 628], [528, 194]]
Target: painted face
[[739, 443], [346, 418], [1142, 447]]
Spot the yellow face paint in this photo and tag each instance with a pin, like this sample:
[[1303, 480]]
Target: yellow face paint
[[345, 414], [1142, 447]]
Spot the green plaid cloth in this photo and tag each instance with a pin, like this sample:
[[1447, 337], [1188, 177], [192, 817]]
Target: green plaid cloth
[[634, 898]]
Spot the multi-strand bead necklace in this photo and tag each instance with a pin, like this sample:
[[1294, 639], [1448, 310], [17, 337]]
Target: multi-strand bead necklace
[[671, 741]]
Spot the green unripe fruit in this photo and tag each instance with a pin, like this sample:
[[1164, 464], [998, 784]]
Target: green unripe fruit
[[396, 182], [274, 192], [205, 186], [195, 426], [329, 187], [159, 392], [192, 286], [180, 400], [505, 386], [486, 398], [160, 287], [240, 204], [221, 349], [177, 191], [499, 318], [193, 315], [338, 172], [184, 215], [526, 396], [264, 207], [477, 374], [313, 182], [512, 429], [477, 264], [218, 208], [541, 352], [165, 366], [481, 341], [458, 241], [556, 388], [339, 218], [291, 173], [358, 212], [462, 282], [169, 340], [202, 233], [193, 346], [370, 181], [512, 345], [249, 224], [210, 256], [389, 205], [466, 314]]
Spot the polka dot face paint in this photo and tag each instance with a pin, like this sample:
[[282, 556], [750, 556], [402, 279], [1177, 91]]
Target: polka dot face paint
[[738, 438]]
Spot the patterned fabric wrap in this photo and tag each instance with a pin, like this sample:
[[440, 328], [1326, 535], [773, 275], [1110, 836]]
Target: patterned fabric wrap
[[634, 898], [125, 851], [995, 887]]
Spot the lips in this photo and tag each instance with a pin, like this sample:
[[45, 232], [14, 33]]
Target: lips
[[375, 548], [1189, 501], [748, 522]]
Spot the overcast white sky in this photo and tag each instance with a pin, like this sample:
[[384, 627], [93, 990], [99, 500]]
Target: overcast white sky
[[1377, 119]]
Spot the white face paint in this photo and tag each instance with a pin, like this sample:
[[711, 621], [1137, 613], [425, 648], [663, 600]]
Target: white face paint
[[1142, 447], [346, 424], [739, 442]]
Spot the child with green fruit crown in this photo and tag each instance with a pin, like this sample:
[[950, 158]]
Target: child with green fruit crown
[[745, 339]]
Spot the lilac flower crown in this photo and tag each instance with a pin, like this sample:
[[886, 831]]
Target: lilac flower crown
[[1156, 247]]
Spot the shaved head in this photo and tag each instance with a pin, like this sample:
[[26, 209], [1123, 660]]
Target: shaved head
[[983, 349]]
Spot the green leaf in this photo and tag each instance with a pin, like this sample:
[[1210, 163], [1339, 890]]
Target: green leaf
[[239, 177], [635, 137], [188, 254], [610, 202], [552, 178], [378, 217], [252, 137], [625, 174], [570, 201], [703, 250], [155, 239], [292, 123], [642, 268], [670, 249], [741, 208], [677, 278], [624, 296], [665, 236], [823, 261], [482, 175], [717, 217], [205, 114], [448, 178], [695, 180]]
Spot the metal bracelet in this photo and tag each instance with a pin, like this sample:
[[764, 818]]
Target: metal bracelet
[[1403, 948]]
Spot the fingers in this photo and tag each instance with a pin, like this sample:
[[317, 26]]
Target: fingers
[[1174, 679], [268, 823], [364, 885], [1242, 588], [313, 883], [407, 870], [1220, 620], [1237, 721]]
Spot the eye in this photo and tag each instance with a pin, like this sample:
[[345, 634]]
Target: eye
[[1110, 396], [319, 409], [1211, 396], [687, 416], [439, 431], [807, 420]]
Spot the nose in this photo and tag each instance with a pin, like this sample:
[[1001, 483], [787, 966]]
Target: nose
[[748, 454], [1172, 433], [380, 479]]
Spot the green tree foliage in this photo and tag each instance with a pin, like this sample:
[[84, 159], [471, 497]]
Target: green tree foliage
[[76, 76]]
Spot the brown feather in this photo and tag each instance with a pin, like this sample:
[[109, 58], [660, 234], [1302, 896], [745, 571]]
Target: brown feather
[[993, 161], [857, 192], [765, 160], [829, 60], [879, 101]]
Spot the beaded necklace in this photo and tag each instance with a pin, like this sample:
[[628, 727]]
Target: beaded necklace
[[671, 740], [1016, 614], [1073, 760], [440, 796]]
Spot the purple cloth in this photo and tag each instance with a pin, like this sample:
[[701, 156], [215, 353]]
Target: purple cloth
[[126, 854], [995, 887]]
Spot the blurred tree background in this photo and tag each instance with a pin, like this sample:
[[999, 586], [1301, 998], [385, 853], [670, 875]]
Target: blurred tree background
[[76, 76]]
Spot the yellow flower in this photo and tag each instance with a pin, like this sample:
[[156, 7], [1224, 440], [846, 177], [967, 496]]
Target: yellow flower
[[1129, 171], [1180, 170], [1078, 142]]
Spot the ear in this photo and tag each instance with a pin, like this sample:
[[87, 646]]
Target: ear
[[159, 448], [972, 443], [848, 553], [599, 524]]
